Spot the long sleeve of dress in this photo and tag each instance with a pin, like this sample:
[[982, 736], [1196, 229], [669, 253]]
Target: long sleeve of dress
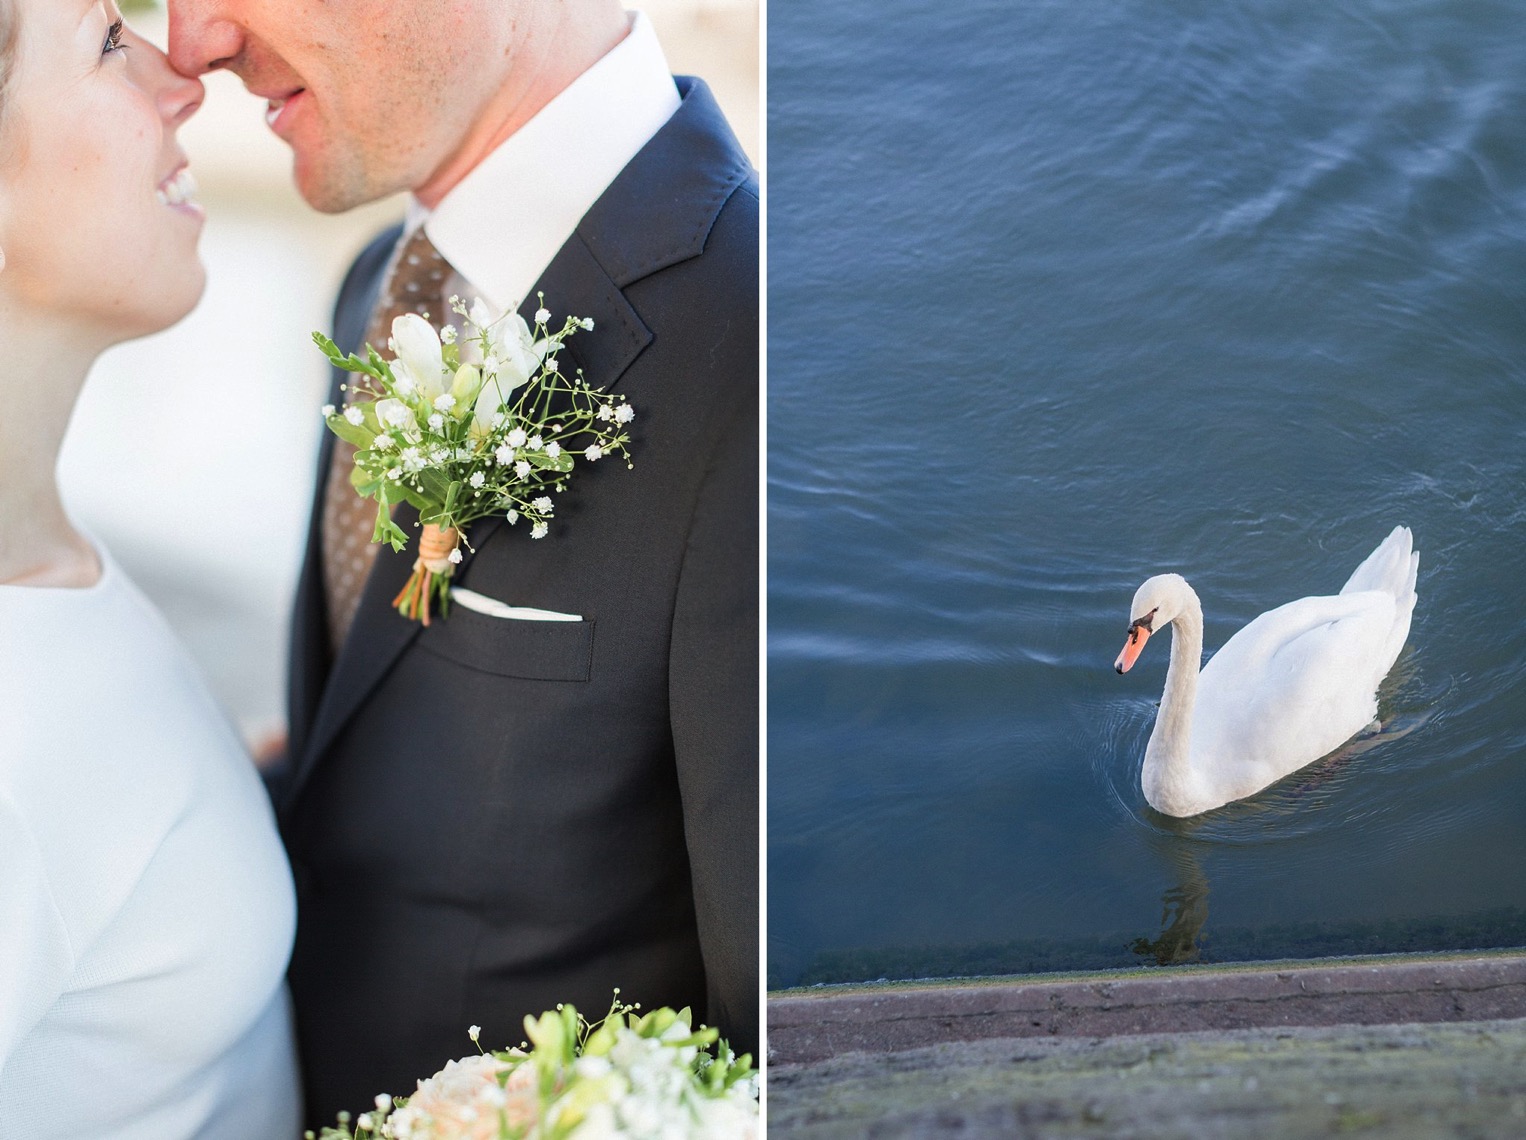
[[36, 958]]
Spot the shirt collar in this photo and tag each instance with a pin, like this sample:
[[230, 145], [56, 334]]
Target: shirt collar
[[502, 224]]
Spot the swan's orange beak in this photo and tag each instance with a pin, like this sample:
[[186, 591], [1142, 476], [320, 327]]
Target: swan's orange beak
[[1138, 635]]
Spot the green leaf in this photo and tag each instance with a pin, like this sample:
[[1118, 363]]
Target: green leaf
[[436, 485], [351, 363], [357, 434], [388, 531], [540, 459]]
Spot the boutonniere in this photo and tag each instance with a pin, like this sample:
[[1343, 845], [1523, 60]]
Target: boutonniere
[[464, 426]]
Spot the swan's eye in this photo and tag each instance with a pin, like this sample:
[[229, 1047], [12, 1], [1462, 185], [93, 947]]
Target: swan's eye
[[1148, 622]]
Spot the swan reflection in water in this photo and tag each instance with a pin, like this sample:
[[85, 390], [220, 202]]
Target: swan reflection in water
[[1181, 842], [1184, 907]]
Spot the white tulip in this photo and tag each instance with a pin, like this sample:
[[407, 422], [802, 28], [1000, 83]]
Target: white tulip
[[465, 387], [490, 398], [511, 346], [420, 356]]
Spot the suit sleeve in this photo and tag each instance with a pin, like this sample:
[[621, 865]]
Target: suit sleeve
[[713, 695]]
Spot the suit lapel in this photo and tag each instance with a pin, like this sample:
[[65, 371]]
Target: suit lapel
[[377, 638], [311, 655], [575, 284]]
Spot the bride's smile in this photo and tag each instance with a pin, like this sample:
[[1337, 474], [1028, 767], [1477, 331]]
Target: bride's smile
[[98, 220]]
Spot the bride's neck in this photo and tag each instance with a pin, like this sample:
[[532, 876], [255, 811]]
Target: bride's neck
[[41, 374], [1167, 776]]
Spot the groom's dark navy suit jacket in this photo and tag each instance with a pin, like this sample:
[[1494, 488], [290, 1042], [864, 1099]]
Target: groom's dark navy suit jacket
[[488, 817]]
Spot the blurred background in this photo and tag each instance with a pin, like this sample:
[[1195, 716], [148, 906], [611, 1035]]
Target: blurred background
[[211, 526]]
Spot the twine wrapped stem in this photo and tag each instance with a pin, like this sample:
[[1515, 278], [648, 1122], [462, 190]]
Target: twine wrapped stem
[[432, 571]]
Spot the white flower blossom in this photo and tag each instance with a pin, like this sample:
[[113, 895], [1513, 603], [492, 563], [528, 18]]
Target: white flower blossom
[[535, 443], [355, 415], [420, 357], [395, 413], [517, 438], [624, 414], [552, 363], [594, 452], [477, 479], [542, 504], [383, 1102], [539, 530], [522, 468], [542, 316], [513, 517], [505, 455], [444, 403], [437, 422], [439, 455], [413, 459], [512, 346], [328, 410], [448, 334], [587, 323], [553, 449], [605, 413], [395, 473], [474, 1032], [384, 442], [455, 556]]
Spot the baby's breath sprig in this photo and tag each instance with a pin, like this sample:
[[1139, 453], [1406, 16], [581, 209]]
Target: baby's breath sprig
[[468, 424]]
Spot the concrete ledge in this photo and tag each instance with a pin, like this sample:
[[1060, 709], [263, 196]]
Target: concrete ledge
[[811, 1026]]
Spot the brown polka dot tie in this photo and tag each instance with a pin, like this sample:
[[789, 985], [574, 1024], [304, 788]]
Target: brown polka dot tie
[[414, 285]]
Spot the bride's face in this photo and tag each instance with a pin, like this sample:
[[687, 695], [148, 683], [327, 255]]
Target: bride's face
[[92, 225]]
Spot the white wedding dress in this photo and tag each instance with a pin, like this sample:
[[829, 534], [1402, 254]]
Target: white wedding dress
[[146, 906]]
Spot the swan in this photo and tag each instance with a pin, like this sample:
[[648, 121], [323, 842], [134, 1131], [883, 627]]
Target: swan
[[1292, 686]]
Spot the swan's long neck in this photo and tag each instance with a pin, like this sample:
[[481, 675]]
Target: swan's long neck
[[1167, 776]]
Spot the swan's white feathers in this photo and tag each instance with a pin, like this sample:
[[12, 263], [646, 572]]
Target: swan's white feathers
[[1293, 685]]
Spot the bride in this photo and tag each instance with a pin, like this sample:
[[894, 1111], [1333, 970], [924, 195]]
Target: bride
[[146, 908]]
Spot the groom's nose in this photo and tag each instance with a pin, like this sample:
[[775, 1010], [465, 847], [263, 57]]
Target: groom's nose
[[204, 35]]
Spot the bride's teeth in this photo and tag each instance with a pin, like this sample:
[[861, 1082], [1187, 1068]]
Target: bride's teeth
[[273, 112], [178, 190]]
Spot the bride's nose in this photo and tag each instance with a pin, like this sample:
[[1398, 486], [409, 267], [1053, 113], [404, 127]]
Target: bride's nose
[[176, 95]]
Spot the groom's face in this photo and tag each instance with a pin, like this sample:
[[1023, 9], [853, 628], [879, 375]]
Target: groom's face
[[373, 96]]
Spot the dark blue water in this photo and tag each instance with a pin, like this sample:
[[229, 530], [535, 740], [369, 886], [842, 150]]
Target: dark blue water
[[1063, 295]]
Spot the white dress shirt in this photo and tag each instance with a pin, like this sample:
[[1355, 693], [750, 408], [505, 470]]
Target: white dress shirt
[[502, 225]]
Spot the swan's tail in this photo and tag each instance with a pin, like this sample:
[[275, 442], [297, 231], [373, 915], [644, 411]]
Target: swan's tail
[[1391, 568]]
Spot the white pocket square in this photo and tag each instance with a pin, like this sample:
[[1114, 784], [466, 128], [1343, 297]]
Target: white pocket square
[[494, 608]]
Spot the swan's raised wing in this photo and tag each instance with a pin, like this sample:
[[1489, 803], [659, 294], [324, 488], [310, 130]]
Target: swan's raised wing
[[1298, 681]]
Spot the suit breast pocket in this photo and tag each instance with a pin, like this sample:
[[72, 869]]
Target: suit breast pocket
[[530, 650]]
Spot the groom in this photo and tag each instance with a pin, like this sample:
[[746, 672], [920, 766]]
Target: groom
[[492, 816]]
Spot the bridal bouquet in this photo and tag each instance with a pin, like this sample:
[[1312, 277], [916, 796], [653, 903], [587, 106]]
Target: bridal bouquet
[[466, 426], [638, 1076]]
